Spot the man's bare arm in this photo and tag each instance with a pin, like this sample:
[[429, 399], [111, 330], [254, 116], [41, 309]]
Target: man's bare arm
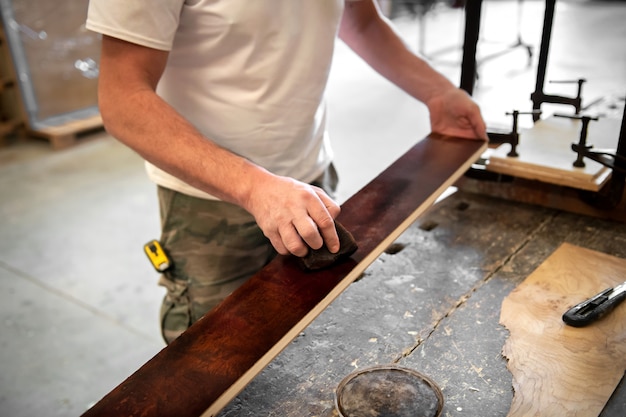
[[289, 212], [373, 38]]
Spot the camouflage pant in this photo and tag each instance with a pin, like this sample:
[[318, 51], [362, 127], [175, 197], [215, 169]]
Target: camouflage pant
[[214, 247]]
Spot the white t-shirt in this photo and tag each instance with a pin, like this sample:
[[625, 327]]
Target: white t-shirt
[[249, 74]]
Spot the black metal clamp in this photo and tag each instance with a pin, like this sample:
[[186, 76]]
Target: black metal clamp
[[603, 157], [539, 97], [511, 138]]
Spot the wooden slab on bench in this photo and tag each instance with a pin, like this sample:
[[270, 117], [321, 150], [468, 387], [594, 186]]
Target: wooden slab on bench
[[208, 365], [560, 370], [545, 153]]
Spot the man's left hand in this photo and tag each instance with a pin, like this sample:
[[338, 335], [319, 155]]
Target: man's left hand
[[454, 113]]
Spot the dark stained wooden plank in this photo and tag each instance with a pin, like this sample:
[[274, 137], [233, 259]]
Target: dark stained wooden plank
[[207, 366]]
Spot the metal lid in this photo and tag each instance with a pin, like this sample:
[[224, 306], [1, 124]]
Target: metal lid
[[388, 391]]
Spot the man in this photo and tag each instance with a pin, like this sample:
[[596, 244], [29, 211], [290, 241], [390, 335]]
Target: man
[[225, 102]]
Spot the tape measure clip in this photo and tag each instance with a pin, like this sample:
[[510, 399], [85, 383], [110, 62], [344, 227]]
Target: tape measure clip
[[157, 256]]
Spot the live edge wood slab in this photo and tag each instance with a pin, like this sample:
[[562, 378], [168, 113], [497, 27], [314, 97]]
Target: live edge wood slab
[[208, 365]]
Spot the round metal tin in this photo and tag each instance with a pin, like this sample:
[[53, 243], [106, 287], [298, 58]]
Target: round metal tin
[[388, 391]]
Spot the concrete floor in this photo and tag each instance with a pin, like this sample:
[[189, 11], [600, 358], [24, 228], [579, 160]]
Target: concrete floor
[[80, 301]]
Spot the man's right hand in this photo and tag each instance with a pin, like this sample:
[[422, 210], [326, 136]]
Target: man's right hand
[[294, 216]]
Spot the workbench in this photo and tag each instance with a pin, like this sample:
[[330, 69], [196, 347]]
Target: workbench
[[431, 303]]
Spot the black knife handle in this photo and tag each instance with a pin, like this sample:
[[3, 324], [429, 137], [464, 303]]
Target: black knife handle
[[593, 308]]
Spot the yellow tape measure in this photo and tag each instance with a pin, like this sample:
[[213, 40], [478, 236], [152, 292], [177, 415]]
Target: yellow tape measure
[[157, 256]]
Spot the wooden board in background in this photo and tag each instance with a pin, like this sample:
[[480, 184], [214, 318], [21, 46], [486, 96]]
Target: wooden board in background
[[560, 370], [543, 194], [545, 153]]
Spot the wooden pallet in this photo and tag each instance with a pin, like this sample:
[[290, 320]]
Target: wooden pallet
[[207, 366], [11, 119], [8, 128], [67, 134]]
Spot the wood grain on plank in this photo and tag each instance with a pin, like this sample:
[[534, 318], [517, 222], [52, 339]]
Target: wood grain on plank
[[560, 370], [208, 365]]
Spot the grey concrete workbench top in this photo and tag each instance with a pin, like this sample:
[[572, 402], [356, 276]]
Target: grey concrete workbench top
[[432, 306]]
